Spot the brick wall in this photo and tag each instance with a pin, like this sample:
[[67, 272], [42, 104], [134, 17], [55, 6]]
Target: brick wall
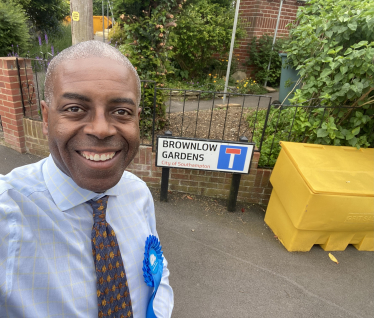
[[260, 17], [254, 187], [11, 110], [36, 142], [11, 107]]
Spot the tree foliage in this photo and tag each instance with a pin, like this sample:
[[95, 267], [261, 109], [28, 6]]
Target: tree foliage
[[260, 53], [147, 34], [332, 46], [14, 33], [45, 14], [147, 26], [204, 29]]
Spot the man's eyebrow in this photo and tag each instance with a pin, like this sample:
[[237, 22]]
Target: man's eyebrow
[[122, 100], [76, 96]]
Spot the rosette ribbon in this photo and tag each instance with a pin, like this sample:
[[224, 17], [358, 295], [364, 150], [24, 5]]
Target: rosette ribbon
[[153, 265]]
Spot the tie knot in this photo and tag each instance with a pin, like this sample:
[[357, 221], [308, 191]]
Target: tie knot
[[99, 208]]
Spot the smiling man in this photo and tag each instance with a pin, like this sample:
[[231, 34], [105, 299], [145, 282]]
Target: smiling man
[[73, 226]]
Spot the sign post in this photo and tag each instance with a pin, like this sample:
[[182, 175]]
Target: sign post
[[235, 182], [202, 154], [165, 178]]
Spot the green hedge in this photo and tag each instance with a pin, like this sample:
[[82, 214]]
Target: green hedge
[[14, 34]]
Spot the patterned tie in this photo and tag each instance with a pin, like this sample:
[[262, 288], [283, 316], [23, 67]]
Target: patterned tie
[[112, 288]]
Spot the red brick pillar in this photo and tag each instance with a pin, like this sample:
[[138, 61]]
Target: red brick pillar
[[11, 110]]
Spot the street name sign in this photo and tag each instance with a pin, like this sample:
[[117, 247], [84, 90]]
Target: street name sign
[[200, 154]]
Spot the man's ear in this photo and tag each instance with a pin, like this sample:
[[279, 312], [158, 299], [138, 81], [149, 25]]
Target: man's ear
[[45, 110], [139, 112]]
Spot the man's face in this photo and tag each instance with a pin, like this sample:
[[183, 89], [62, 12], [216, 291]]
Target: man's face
[[93, 122]]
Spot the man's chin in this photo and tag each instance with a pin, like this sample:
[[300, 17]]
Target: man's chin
[[97, 176], [97, 185]]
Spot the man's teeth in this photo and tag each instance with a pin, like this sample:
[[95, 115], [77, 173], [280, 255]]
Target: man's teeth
[[98, 157]]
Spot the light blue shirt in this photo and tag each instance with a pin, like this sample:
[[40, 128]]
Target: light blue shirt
[[46, 263]]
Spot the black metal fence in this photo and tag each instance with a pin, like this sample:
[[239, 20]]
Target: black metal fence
[[31, 74], [204, 114]]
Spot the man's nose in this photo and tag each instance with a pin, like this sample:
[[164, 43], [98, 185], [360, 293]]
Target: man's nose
[[100, 126]]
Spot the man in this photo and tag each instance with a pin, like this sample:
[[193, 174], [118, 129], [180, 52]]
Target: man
[[50, 211]]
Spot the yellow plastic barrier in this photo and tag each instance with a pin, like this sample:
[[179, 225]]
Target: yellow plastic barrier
[[322, 195], [97, 22]]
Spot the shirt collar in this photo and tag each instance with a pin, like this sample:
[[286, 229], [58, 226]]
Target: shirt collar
[[65, 192]]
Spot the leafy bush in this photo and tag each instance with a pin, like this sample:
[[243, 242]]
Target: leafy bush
[[14, 33], [45, 14], [147, 32], [327, 126], [203, 30], [259, 55], [117, 35], [147, 102], [249, 86], [332, 46]]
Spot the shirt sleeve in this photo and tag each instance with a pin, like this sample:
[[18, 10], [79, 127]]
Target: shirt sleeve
[[8, 241], [164, 300]]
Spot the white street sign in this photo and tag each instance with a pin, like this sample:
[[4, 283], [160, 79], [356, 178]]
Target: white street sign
[[175, 152]]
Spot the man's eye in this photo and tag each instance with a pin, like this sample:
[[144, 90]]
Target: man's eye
[[74, 109], [121, 112]]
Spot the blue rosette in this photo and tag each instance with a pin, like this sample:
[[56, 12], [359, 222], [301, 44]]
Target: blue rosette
[[153, 265]]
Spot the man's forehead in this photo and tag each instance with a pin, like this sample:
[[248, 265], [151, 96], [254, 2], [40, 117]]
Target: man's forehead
[[88, 63], [93, 68]]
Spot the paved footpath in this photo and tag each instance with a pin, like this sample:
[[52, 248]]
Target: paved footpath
[[230, 265]]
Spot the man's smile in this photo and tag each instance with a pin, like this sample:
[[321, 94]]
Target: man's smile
[[97, 156]]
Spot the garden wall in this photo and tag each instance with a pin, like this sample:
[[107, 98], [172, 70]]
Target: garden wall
[[260, 17], [12, 111], [254, 187]]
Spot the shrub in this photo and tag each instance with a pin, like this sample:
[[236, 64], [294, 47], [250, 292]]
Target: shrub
[[14, 33], [147, 32], [308, 125], [203, 30], [45, 14], [117, 35], [259, 55], [249, 86], [332, 46]]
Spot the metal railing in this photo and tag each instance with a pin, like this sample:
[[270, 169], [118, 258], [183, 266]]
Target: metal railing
[[31, 82], [201, 114]]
